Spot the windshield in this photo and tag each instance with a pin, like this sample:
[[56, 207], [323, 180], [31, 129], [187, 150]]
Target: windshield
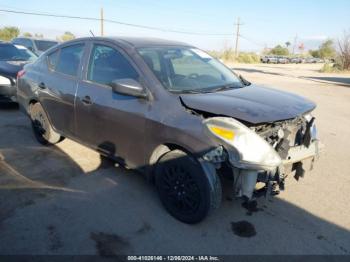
[[184, 69], [43, 45], [16, 53]]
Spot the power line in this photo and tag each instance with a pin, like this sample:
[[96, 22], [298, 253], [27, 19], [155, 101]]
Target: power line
[[252, 41], [114, 22]]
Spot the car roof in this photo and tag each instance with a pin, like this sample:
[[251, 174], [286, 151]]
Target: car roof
[[36, 38], [136, 42], [12, 44], [6, 43]]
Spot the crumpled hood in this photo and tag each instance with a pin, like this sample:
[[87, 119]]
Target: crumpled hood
[[11, 68], [253, 104]]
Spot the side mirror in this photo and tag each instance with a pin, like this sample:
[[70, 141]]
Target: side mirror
[[244, 81], [128, 86]]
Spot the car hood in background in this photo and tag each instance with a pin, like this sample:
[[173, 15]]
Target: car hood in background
[[253, 104], [11, 68]]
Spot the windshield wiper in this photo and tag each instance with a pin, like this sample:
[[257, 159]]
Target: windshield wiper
[[221, 88], [184, 91], [206, 90]]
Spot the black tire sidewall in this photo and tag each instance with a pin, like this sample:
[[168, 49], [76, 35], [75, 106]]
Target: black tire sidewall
[[51, 137], [195, 170]]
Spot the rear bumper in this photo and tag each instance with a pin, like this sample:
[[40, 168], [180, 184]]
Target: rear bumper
[[8, 90]]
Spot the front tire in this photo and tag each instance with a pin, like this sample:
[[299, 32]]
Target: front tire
[[183, 187], [42, 128]]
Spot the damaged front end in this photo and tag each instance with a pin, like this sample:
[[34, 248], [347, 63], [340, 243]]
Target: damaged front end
[[263, 154]]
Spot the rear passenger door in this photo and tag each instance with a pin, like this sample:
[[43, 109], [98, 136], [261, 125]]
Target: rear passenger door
[[110, 122], [58, 86]]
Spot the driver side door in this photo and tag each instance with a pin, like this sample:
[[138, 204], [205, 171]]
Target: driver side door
[[110, 122]]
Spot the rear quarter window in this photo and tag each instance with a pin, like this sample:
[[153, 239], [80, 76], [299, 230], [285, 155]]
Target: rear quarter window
[[43, 45], [52, 60]]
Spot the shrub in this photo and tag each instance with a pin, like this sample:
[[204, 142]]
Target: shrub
[[228, 55], [330, 68], [9, 32], [279, 50], [248, 58]]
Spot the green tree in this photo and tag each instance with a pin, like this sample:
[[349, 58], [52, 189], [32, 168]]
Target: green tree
[[9, 32], [288, 44], [327, 49], [315, 53], [66, 36], [279, 50], [26, 34]]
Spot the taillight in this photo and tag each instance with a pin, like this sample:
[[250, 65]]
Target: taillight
[[20, 74]]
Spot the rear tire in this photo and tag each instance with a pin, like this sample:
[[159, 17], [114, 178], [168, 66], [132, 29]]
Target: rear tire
[[183, 187], [42, 128]]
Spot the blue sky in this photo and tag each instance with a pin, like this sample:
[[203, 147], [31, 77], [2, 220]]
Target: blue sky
[[268, 22]]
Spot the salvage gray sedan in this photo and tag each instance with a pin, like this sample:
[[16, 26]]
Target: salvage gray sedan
[[173, 112]]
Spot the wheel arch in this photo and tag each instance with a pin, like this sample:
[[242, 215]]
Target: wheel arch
[[34, 101], [31, 103], [209, 170], [164, 148]]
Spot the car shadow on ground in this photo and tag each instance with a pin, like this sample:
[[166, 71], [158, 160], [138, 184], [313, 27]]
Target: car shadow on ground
[[342, 81], [8, 105], [252, 70], [50, 205]]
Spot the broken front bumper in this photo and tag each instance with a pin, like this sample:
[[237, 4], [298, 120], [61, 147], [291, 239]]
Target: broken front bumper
[[299, 160], [300, 153], [262, 154]]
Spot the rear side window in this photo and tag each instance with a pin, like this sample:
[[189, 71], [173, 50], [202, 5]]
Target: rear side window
[[69, 59], [17, 41], [52, 59], [43, 45], [25, 42], [107, 64]]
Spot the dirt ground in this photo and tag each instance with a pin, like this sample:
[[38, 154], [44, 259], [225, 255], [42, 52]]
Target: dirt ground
[[65, 200]]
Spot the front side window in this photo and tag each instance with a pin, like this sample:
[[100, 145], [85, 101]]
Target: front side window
[[28, 44], [69, 60], [107, 65], [185, 69]]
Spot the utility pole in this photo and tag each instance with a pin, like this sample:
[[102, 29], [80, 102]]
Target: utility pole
[[295, 42], [101, 18], [237, 36]]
